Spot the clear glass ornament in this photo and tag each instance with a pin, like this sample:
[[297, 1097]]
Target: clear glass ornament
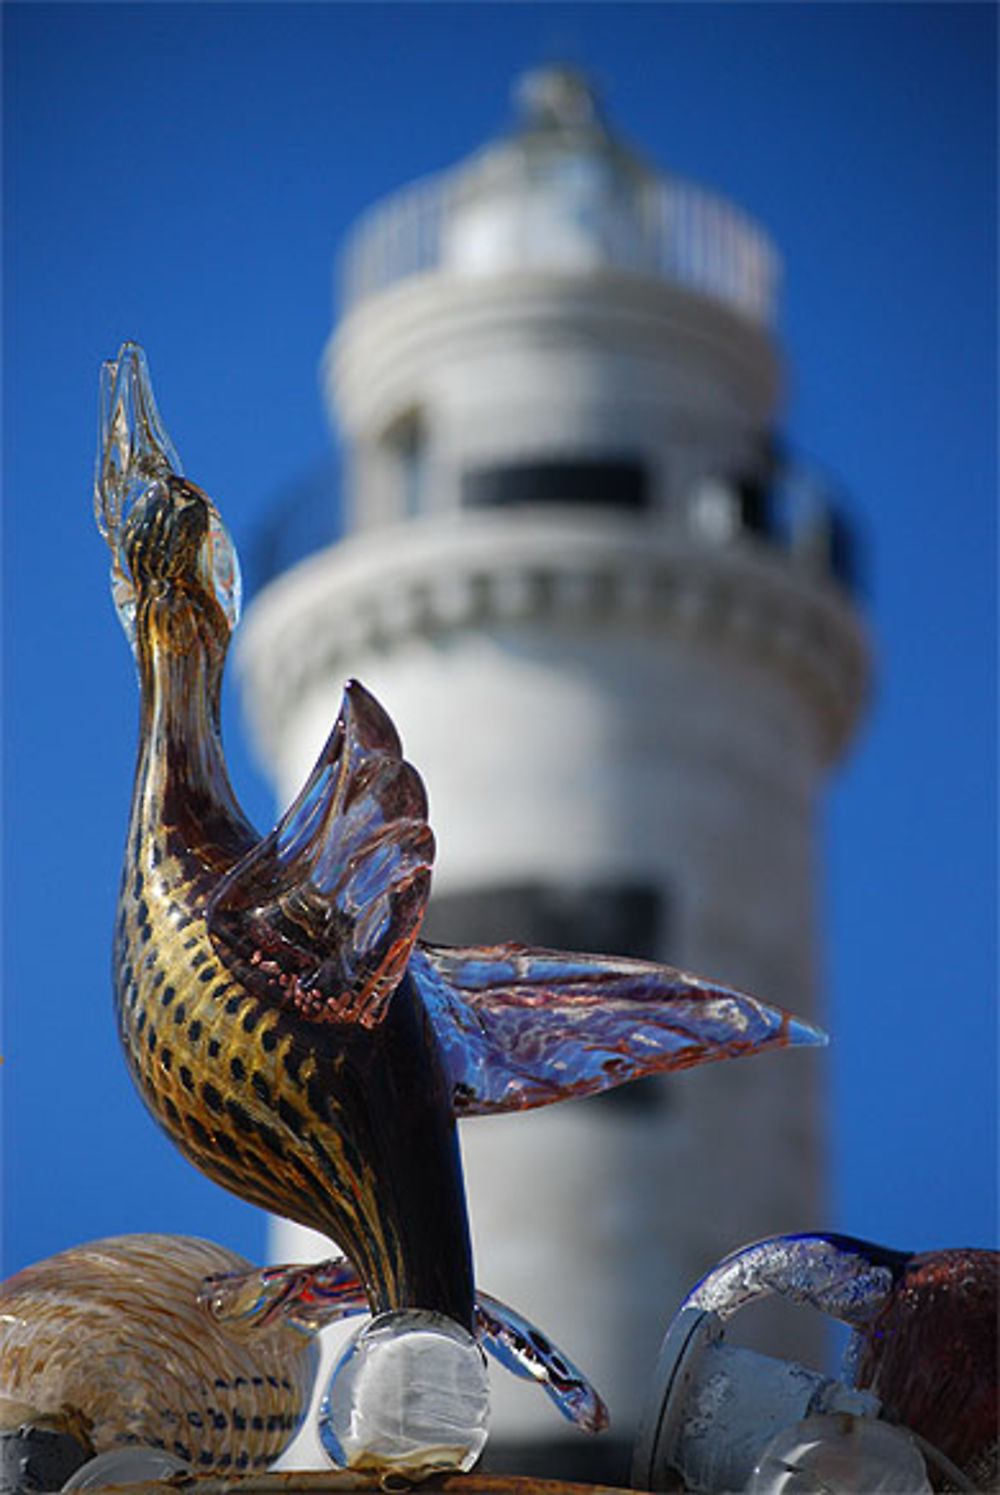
[[840, 1452], [409, 1394], [131, 1465]]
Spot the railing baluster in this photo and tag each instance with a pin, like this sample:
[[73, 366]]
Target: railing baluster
[[689, 237]]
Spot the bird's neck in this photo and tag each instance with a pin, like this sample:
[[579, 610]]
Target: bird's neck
[[182, 784]]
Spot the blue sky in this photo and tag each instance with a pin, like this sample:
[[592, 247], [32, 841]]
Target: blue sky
[[183, 174]]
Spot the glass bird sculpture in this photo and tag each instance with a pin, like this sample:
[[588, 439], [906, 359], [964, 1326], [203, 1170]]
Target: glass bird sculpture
[[280, 1016], [111, 1342], [925, 1329]]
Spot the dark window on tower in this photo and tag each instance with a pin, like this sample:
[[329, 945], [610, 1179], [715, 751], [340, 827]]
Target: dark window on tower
[[599, 918], [404, 442], [754, 506], [619, 484]]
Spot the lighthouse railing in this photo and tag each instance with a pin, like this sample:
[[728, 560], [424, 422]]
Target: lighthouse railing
[[681, 233]]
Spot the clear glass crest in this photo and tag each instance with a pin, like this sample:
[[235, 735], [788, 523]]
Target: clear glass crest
[[134, 452], [133, 449]]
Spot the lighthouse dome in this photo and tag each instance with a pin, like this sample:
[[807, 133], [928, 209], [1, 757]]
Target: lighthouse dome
[[560, 191]]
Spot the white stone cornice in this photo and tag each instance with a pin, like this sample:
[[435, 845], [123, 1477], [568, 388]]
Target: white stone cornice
[[372, 593], [383, 349]]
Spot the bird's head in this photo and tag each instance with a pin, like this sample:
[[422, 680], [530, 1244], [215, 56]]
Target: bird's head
[[164, 533], [174, 540]]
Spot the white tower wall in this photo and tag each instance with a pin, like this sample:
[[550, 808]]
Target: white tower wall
[[589, 705], [535, 365], [647, 693]]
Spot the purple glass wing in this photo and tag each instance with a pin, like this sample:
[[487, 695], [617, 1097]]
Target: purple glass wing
[[308, 1297], [321, 916], [525, 1351], [520, 1027]]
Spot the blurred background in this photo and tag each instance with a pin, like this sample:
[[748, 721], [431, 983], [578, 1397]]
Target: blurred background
[[184, 176]]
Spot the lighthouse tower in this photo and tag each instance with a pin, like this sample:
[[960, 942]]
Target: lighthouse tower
[[617, 636]]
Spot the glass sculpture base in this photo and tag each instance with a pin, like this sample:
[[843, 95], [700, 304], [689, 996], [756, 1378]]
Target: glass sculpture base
[[409, 1394]]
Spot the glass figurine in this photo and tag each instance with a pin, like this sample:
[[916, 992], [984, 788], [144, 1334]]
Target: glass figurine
[[279, 1014], [918, 1393], [110, 1343]]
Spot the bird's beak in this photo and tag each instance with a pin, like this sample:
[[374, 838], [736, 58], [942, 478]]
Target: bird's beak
[[133, 448]]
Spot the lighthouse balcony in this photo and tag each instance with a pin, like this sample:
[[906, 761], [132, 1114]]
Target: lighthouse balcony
[[800, 519], [756, 594], [462, 225], [795, 512]]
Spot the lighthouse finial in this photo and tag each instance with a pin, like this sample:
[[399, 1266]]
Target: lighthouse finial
[[557, 98]]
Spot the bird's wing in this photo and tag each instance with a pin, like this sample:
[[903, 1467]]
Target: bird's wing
[[520, 1027], [322, 914]]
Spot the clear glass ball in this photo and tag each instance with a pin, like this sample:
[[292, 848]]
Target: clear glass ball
[[409, 1394], [132, 1464], [839, 1452]]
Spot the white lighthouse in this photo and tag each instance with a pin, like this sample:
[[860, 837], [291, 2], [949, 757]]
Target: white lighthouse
[[618, 640]]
